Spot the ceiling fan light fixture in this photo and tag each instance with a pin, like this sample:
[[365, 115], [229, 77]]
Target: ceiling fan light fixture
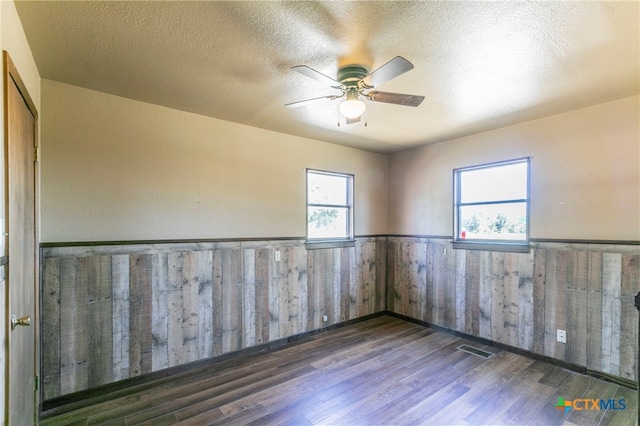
[[352, 107]]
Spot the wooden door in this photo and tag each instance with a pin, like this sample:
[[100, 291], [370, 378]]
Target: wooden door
[[20, 142]]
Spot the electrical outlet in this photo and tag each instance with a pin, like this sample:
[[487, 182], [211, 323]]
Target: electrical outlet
[[277, 255], [561, 336], [325, 318]]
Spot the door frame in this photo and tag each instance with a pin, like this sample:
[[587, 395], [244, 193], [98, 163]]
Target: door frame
[[10, 72]]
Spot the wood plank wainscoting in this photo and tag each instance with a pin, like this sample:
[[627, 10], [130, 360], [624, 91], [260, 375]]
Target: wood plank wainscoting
[[521, 299], [112, 312]]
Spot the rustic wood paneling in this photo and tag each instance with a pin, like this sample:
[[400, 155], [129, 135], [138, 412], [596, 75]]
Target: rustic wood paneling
[[216, 293], [472, 293], [121, 311], [576, 310], [485, 297], [521, 299], [611, 286], [231, 300], [262, 265], [140, 336], [51, 331], [393, 268], [99, 320], [594, 313], [539, 274], [525, 302], [120, 317], [380, 266], [628, 315], [460, 289], [73, 325]]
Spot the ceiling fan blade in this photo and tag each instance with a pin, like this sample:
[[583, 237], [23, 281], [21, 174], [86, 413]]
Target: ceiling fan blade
[[386, 72], [395, 98], [317, 75], [307, 101]]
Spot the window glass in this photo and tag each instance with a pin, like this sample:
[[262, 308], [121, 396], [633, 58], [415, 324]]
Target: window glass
[[328, 222], [494, 221], [327, 189], [495, 183], [492, 202], [329, 206]]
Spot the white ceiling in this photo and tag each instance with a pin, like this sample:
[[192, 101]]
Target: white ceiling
[[480, 65]]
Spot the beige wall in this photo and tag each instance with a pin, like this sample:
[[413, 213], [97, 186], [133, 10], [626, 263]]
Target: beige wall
[[585, 175], [14, 41], [117, 169]]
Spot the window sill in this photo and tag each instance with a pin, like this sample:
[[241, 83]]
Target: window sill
[[491, 246], [325, 244]]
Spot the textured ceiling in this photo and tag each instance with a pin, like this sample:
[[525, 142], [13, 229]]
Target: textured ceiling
[[480, 65]]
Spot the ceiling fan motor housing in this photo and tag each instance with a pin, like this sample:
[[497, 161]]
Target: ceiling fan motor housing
[[351, 75]]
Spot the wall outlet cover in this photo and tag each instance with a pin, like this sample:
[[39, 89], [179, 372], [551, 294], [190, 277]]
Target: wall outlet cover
[[561, 336]]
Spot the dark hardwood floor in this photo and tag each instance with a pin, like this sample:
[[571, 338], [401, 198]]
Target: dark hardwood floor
[[380, 371]]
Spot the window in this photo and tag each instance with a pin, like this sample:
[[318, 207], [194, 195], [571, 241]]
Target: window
[[329, 206], [492, 203]]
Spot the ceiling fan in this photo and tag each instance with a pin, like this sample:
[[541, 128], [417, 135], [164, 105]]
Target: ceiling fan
[[355, 82]]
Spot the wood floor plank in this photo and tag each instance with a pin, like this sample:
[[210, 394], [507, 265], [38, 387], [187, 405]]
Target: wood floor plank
[[163, 420], [85, 412], [394, 409], [313, 382], [596, 390], [442, 399], [165, 398], [195, 404], [526, 406], [360, 390], [573, 387], [555, 377], [492, 411], [289, 414], [205, 418], [380, 371], [452, 416], [317, 382]]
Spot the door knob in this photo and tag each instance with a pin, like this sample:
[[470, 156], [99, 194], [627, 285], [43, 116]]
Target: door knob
[[24, 321]]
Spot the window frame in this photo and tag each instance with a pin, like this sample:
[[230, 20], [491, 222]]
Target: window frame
[[486, 243], [323, 242]]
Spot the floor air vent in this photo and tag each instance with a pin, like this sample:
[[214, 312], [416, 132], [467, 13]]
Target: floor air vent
[[475, 351]]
